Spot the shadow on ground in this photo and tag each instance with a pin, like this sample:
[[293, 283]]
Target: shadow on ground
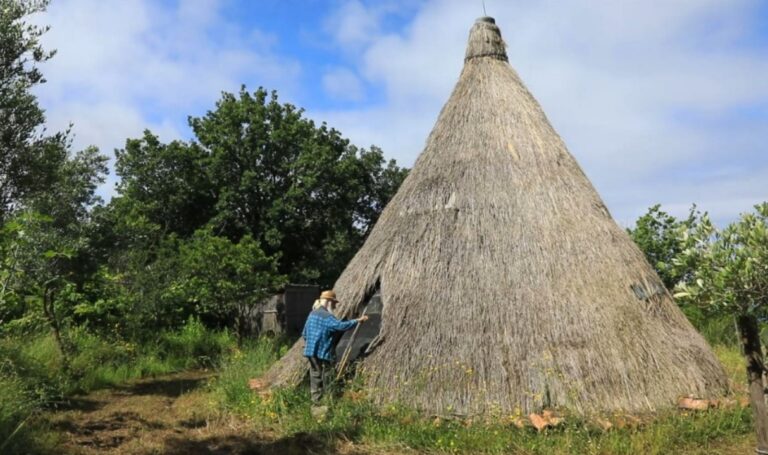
[[78, 404], [297, 444], [166, 415], [171, 388]]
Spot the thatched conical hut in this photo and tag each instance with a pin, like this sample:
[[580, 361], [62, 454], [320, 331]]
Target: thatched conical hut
[[505, 282]]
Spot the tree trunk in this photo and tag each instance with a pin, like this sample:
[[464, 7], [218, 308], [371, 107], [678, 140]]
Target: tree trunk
[[50, 314], [240, 324], [753, 354]]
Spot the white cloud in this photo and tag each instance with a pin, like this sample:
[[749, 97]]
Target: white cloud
[[724, 195], [106, 125], [620, 81], [646, 94], [353, 24], [342, 84], [123, 66]]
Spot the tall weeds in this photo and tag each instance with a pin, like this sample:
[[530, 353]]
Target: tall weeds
[[32, 377]]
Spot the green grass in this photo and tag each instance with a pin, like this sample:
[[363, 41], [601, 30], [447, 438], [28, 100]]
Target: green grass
[[717, 330], [250, 361], [353, 418], [97, 362], [100, 363], [17, 406], [33, 376]]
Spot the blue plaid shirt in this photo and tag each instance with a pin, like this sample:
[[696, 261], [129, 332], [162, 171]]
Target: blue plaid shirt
[[318, 331]]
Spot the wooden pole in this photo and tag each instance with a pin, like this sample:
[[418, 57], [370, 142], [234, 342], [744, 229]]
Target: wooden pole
[[753, 354], [345, 356]]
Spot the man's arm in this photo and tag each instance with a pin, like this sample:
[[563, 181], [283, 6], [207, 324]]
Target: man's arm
[[342, 326]]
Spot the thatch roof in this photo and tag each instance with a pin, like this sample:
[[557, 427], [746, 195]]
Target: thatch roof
[[506, 283]]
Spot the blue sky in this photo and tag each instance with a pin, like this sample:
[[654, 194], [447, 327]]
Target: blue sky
[[661, 101]]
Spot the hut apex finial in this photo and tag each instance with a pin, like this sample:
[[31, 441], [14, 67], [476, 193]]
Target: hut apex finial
[[485, 40]]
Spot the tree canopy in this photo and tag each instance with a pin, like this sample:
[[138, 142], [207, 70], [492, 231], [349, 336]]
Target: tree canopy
[[258, 167], [29, 157], [657, 234]]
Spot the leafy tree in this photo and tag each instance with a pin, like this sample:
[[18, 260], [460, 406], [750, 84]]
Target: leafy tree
[[259, 168], [224, 280], [41, 269], [302, 190], [45, 193], [48, 244], [260, 180], [28, 157], [731, 277], [167, 183], [657, 235], [172, 279]]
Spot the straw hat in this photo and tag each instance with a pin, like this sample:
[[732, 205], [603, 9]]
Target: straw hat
[[329, 295]]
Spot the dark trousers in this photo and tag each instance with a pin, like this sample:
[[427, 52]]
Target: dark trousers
[[320, 377]]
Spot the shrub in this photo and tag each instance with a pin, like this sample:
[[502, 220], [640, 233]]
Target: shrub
[[244, 363], [16, 406], [194, 346]]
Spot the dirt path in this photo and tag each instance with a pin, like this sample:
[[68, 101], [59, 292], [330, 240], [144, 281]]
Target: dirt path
[[166, 415]]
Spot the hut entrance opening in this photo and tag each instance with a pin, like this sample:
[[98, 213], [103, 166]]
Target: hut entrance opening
[[366, 337]]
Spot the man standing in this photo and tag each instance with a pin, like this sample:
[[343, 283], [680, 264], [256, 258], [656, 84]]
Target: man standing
[[318, 338]]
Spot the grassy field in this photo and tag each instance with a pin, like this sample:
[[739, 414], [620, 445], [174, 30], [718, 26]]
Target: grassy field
[[33, 384], [394, 429], [34, 380]]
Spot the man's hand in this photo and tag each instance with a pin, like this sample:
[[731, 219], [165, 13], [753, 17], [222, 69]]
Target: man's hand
[[362, 318]]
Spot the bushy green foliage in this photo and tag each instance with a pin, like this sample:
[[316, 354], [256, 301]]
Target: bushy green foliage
[[167, 184], [731, 275], [29, 380], [249, 361], [717, 329], [210, 228], [205, 276], [259, 168], [36, 169], [46, 192], [32, 365], [223, 279], [205, 229], [28, 159], [195, 346], [16, 407], [94, 358], [99, 362], [730, 278], [657, 234], [40, 272]]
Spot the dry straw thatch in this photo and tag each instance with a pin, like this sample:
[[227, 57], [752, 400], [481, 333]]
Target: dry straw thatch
[[506, 283]]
